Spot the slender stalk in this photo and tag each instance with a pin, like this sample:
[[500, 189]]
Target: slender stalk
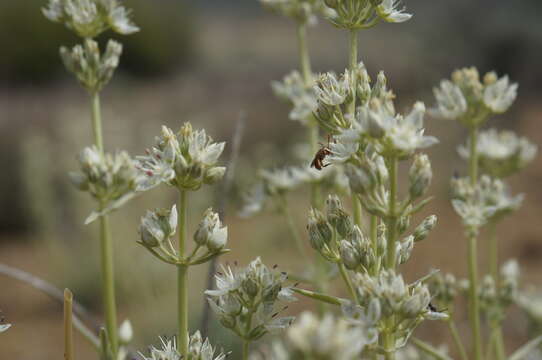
[[108, 282], [97, 121], [374, 243], [291, 225], [304, 59], [425, 347], [392, 214], [182, 276], [348, 282], [457, 339], [473, 155], [106, 245], [246, 344], [356, 204], [499, 343], [68, 325], [312, 126], [493, 252], [56, 294], [388, 343], [474, 308]]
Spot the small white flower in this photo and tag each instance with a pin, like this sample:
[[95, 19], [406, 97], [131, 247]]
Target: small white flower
[[501, 154], [390, 12], [500, 95], [331, 91], [451, 103], [126, 332], [4, 327], [303, 98], [186, 160]]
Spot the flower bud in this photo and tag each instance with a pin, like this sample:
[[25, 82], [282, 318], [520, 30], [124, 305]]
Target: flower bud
[[424, 228], [250, 287], [405, 249], [360, 179], [214, 175], [404, 222], [420, 176], [337, 217], [349, 255], [126, 332], [210, 232], [157, 226], [320, 231]]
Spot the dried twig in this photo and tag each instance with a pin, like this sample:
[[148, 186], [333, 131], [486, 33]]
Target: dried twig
[[222, 200]]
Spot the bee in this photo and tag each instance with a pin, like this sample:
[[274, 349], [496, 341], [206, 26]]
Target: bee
[[318, 161]]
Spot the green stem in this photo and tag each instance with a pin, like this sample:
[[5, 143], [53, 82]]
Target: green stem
[[353, 62], [182, 276], [356, 204], [374, 243], [392, 214], [425, 347], [473, 155], [97, 121], [348, 282], [291, 226], [304, 59], [474, 305], [246, 344], [474, 308], [499, 343], [108, 282], [493, 252], [388, 342], [68, 325], [457, 339]]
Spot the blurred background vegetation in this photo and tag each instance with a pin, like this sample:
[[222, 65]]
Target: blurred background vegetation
[[204, 62]]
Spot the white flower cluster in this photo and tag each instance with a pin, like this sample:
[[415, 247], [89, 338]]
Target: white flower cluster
[[158, 227], [89, 18], [110, 179], [302, 11], [501, 153], [197, 350], [92, 70], [303, 98], [275, 183], [327, 338], [362, 14], [186, 160], [471, 101], [405, 305], [444, 288], [496, 297], [245, 300], [488, 200]]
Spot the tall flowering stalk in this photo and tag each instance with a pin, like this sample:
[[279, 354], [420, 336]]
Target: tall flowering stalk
[[482, 201], [186, 161], [93, 69]]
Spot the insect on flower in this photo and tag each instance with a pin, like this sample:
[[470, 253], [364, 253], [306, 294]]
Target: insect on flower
[[318, 161]]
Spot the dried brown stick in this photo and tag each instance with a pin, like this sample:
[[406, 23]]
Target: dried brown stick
[[222, 200]]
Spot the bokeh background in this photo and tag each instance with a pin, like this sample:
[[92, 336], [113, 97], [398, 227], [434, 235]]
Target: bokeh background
[[205, 62]]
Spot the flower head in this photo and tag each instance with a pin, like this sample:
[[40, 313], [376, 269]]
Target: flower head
[[158, 226], [362, 14], [89, 18], [93, 71], [246, 299], [210, 232], [501, 154], [186, 160], [302, 11], [303, 98], [468, 99], [198, 349], [111, 179]]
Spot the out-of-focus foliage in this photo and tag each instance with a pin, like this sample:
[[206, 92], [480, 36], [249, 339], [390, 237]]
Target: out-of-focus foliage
[[30, 41]]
